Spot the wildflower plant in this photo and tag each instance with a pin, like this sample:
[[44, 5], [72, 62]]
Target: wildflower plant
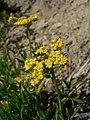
[[23, 86]]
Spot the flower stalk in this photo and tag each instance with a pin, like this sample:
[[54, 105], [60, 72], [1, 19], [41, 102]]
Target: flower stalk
[[57, 91], [21, 102], [29, 39]]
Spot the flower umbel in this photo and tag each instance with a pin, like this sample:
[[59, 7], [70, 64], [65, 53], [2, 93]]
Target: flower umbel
[[56, 44], [24, 20], [55, 58], [29, 63], [42, 53], [22, 78], [42, 50], [37, 77], [12, 19]]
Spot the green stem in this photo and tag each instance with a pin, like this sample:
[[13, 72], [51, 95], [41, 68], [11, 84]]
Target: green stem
[[21, 102], [28, 33], [57, 91]]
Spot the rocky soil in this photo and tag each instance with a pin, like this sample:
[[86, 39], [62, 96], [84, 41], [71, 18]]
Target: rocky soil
[[68, 19]]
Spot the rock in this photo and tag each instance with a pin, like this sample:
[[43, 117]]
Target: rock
[[21, 5], [82, 116]]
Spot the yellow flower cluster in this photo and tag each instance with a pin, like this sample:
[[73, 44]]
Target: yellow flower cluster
[[42, 53], [22, 78], [39, 66], [57, 43], [29, 63], [23, 20], [37, 72], [12, 19], [44, 59], [37, 77], [55, 58], [42, 50]]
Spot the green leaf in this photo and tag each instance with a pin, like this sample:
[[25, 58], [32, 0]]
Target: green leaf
[[74, 83], [77, 99], [68, 114], [75, 111], [56, 114], [67, 83]]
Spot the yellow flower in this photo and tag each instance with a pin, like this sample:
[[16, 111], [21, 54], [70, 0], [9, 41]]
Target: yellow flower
[[42, 50], [63, 60], [29, 63], [35, 82], [12, 19], [57, 44], [23, 17], [54, 55], [22, 78], [33, 17], [37, 77], [18, 79], [24, 20], [39, 66], [48, 63], [42, 53], [37, 74], [25, 78], [21, 22], [55, 58]]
